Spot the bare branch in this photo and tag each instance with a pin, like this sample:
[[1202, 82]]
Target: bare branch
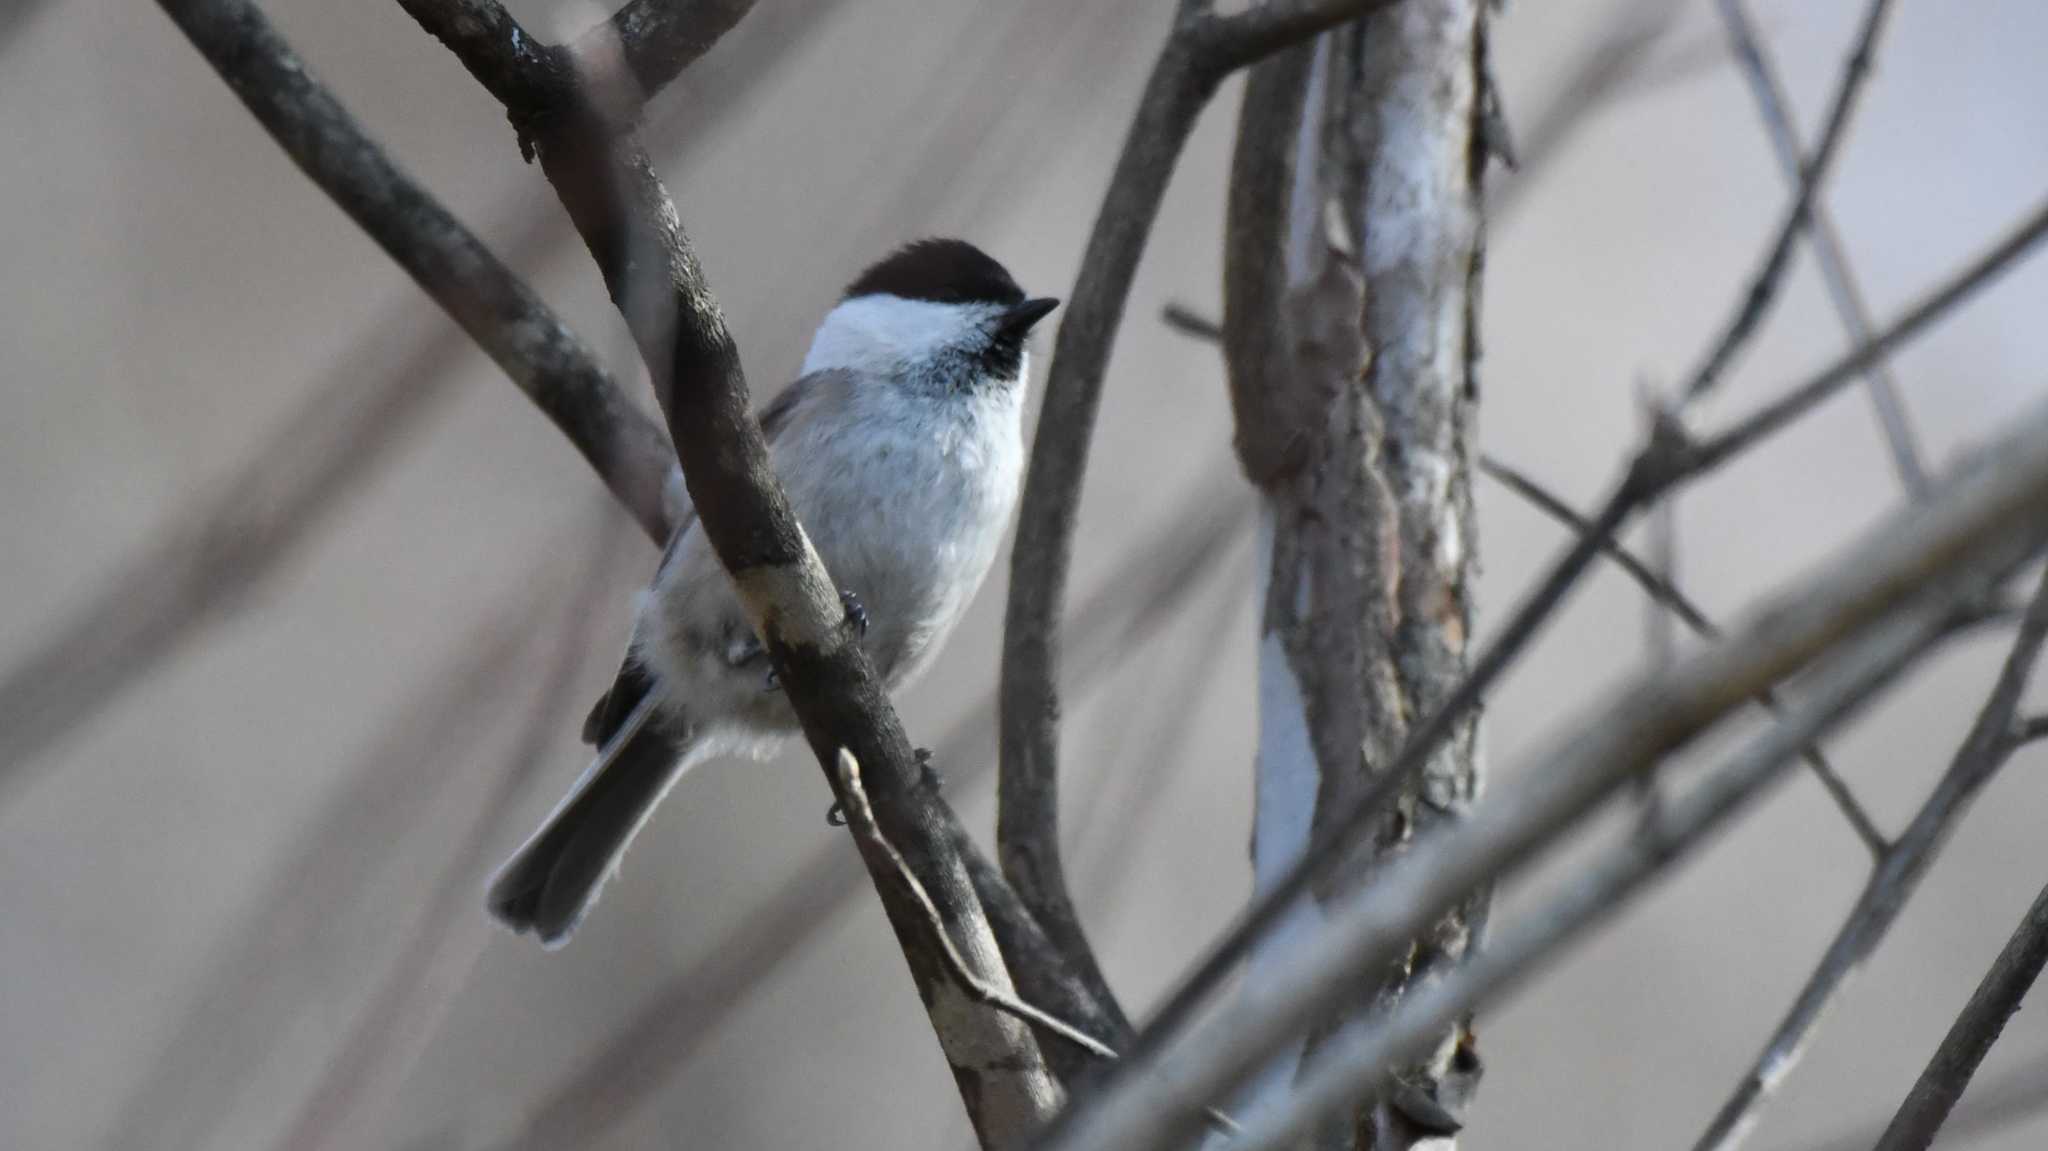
[[1110, 627], [1774, 107], [1668, 462], [1227, 43], [1357, 1064], [203, 571], [1763, 287], [1983, 751], [788, 597], [534, 347], [1797, 401], [1993, 1105], [1997, 998], [2029, 731], [1665, 593], [660, 38], [1201, 50], [1978, 525]]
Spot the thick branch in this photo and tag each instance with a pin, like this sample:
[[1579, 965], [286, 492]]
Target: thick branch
[[1978, 525], [1955, 1062], [1111, 627], [1199, 53], [628, 222], [1984, 750], [520, 333], [660, 38]]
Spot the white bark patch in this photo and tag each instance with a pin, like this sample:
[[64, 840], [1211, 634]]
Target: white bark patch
[[1286, 780]]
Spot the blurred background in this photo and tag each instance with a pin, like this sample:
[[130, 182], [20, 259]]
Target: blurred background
[[241, 892]]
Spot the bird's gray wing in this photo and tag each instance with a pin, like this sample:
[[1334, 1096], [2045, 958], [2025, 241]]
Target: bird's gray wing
[[634, 681]]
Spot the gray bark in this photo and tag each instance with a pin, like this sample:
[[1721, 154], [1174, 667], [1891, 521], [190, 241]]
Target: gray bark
[[1350, 306]]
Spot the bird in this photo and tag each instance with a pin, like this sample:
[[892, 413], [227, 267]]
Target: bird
[[900, 445]]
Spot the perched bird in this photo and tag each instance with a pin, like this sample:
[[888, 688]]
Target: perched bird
[[901, 448]]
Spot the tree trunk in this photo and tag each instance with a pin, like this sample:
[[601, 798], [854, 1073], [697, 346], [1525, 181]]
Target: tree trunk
[[1351, 300]]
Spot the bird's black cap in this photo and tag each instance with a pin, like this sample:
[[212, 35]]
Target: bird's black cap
[[942, 271]]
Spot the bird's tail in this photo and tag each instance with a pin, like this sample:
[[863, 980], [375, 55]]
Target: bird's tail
[[552, 881]]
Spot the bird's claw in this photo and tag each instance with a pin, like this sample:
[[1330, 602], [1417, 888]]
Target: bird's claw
[[856, 614]]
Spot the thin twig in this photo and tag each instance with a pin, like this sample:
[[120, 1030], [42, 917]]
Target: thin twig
[[1973, 277], [1666, 594], [1763, 286], [1983, 751], [1773, 106], [860, 817], [1201, 50], [2029, 731], [1955, 1062], [1979, 524]]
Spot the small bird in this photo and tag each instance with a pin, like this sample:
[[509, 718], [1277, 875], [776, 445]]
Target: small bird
[[901, 445]]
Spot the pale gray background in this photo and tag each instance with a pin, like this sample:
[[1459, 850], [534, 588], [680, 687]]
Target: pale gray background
[[172, 288]]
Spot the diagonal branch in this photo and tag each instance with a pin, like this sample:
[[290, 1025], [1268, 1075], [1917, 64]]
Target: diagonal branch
[[1199, 53], [1667, 463], [1774, 106], [1997, 998], [1763, 287], [1983, 751], [1979, 525], [202, 572], [1111, 627], [782, 585], [1359, 1063], [1665, 593], [618, 204], [1662, 591], [519, 332]]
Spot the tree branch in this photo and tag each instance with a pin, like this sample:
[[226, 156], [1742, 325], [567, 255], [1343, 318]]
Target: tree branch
[[630, 225], [782, 585], [1955, 1062], [1668, 462], [1110, 627], [1983, 751], [1763, 287], [1978, 525], [519, 332], [1358, 1063], [1666, 594], [1662, 591], [1774, 107], [1200, 51]]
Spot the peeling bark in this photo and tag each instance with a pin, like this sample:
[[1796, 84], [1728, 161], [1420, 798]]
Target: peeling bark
[[1352, 276]]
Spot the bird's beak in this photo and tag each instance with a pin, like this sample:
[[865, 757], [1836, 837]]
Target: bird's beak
[[1024, 316]]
